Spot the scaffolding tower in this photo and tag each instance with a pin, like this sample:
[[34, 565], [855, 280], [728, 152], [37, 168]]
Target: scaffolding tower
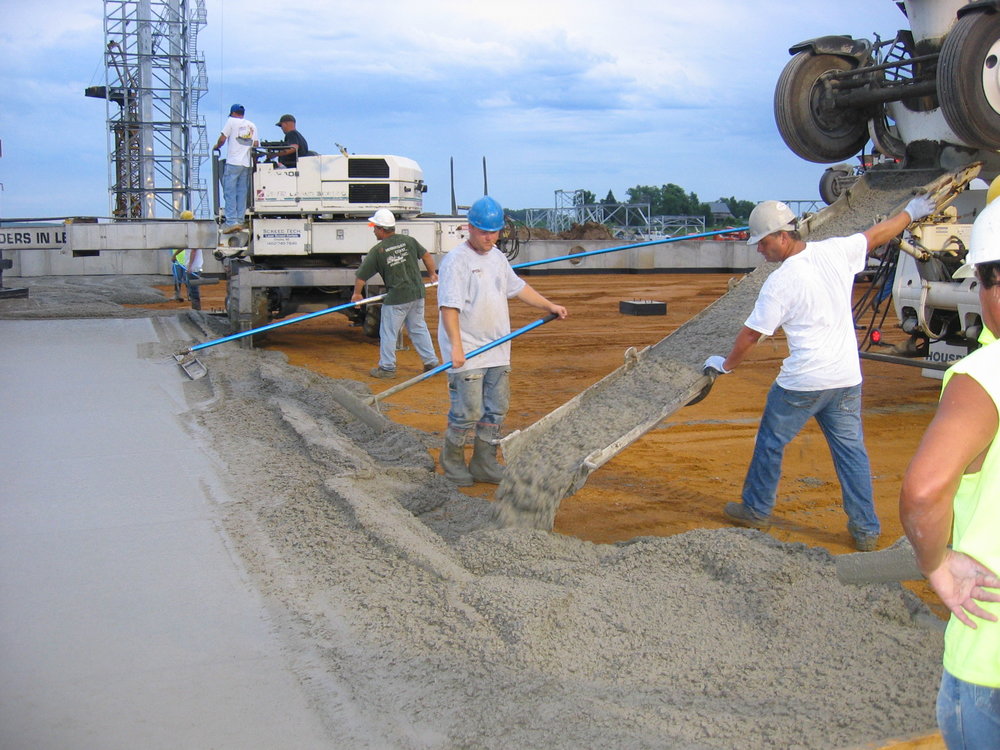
[[154, 79]]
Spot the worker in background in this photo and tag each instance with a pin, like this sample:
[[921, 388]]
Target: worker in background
[[809, 296], [295, 144], [476, 282], [952, 490], [394, 257], [240, 135], [186, 266]]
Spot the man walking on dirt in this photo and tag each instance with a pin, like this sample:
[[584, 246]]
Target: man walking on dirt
[[809, 297], [395, 258], [476, 282]]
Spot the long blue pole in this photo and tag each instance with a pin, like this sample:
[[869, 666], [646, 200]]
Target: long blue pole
[[526, 264], [475, 352]]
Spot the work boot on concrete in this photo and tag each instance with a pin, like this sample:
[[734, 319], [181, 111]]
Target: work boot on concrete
[[453, 460], [378, 372], [484, 466], [863, 541], [739, 514]]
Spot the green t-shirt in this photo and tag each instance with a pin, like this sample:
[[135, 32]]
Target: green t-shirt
[[395, 259], [974, 655]]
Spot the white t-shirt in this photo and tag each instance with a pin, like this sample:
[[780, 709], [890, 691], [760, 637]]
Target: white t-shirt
[[478, 286], [809, 296], [240, 136]]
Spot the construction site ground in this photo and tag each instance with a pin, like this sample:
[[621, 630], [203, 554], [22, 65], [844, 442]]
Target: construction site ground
[[674, 479], [677, 477]]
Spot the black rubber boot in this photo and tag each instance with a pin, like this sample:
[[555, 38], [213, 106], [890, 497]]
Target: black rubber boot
[[453, 459], [484, 466]]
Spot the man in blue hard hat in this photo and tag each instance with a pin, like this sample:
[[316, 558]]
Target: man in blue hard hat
[[476, 281]]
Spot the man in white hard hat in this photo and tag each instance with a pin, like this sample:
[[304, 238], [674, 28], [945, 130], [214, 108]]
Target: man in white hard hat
[[394, 257], [809, 297], [951, 490]]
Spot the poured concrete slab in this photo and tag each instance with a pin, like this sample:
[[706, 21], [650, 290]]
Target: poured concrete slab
[[124, 620]]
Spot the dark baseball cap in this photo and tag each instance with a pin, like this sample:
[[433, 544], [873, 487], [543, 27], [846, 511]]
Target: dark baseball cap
[[237, 108], [285, 118]]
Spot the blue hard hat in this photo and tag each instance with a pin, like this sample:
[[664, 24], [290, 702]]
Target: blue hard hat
[[238, 108], [486, 214]]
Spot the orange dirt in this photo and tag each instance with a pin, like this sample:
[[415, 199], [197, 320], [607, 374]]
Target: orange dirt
[[678, 476]]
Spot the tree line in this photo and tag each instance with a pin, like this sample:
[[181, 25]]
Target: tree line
[[666, 200]]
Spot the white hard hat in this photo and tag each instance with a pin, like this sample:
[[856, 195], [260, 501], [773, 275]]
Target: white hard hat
[[383, 218], [770, 217], [984, 246]]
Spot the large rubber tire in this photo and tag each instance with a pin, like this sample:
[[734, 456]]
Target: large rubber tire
[[372, 321], [968, 79], [831, 184], [813, 132]]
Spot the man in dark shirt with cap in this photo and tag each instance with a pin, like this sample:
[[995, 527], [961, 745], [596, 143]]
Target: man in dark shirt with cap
[[295, 144]]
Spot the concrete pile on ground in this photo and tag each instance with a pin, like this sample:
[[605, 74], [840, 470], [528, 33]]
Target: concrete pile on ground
[[454, 634]]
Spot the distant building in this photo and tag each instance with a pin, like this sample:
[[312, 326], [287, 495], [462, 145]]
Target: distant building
[[720, 212]]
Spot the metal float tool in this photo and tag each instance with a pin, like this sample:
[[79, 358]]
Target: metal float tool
[[195, 369], [374, 400]]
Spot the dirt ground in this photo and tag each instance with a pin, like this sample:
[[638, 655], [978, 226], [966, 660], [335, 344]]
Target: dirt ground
[[678, 476]]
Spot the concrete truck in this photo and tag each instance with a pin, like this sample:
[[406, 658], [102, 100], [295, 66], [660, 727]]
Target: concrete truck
[[926, 98]]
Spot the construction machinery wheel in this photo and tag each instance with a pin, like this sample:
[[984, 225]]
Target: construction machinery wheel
[[968, 79], [833, 183], [809, 123], [372, 321]]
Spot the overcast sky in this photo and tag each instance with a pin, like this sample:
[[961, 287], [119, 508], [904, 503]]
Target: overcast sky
[[556, 94]]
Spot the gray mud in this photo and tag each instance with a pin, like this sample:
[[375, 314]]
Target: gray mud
[[455, 635], [549, 462], [83, 296], [381, 576]]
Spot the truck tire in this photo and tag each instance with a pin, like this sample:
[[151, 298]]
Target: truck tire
[[372, 321], [831, 184], [816, 132], [968, 79]]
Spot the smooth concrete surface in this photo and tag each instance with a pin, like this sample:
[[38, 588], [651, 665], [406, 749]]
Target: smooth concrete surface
[[124, 620]]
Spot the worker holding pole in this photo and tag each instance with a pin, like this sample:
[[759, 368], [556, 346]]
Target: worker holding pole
[[476, 280], [395, 257], [951, 490]]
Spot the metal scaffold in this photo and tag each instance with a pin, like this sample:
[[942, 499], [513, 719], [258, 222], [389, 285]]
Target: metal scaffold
[[155, 77]]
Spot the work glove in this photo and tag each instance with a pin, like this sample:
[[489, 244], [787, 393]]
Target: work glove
[[919, 207], [716, 362]]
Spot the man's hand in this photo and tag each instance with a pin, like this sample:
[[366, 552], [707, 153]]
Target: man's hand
[[432, 277], [960, 580], [457, 355], [718, 363], [559, 310], [920, 207]]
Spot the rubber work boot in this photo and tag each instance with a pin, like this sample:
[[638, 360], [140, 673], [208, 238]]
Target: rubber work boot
[[378, 372], [453, 459], [484, 466], [743, 516]]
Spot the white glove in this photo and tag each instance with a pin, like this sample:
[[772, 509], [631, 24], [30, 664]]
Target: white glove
[[920, 207], [716, 362]]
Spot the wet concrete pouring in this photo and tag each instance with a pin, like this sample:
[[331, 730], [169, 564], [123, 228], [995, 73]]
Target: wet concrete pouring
[[450, 632]]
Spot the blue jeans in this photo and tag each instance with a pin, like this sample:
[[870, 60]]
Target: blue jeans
[[393, 318], [478, 397], [968, 714], [235, 186], [183, 276], [838, 411]]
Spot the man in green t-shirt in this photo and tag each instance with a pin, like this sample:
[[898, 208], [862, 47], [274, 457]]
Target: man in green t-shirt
[[395, 258]]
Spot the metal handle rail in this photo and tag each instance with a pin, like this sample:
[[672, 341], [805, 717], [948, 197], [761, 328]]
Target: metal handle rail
[[373, 400], [526, 264]]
